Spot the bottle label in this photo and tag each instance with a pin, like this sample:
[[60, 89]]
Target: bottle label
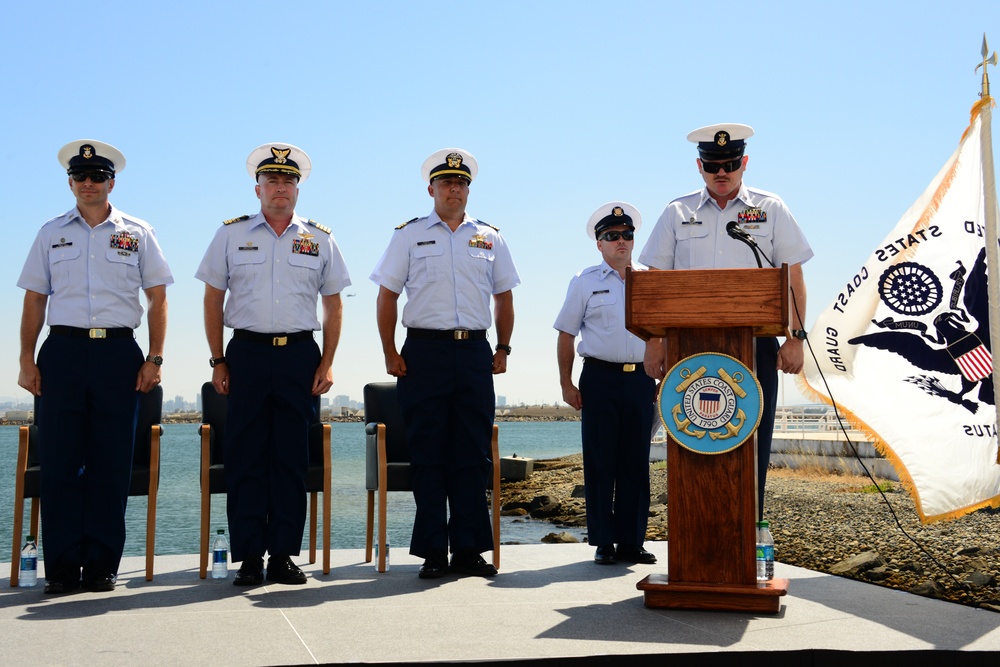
[[220, 556], [28, 563]]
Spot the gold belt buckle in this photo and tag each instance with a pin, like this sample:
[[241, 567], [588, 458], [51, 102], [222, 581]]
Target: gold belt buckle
[[98, 333], [461, 334], [279, 341], [628, 368]]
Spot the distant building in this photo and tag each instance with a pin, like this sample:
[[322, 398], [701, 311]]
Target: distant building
[[501, 401], [20, 415]]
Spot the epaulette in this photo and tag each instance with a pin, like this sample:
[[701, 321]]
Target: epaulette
[[408, 222], [322, 228], [496, 229], [239, 219]]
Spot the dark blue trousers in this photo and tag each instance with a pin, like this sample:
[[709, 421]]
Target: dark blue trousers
[[617, 421], [767, 375], [86, 420], [266, 445], [448, 405]]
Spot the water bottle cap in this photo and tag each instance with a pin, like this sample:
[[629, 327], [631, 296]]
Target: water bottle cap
[[31, 538], [764, 524]]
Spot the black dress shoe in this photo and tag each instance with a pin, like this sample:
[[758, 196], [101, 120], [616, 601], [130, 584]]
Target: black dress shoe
[[251, 572], [434, 567], [605, 555], [281, 570], [59, 587], [633, 554], [100, 582], [472, 564]]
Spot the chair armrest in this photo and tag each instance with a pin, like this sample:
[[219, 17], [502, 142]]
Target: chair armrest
[[371, 455]]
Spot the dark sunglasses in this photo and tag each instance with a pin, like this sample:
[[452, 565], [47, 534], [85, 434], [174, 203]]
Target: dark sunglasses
[[628, 235], [730, 166], [95, 177]]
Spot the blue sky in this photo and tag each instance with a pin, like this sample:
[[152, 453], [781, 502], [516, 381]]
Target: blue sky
[[566, 105]]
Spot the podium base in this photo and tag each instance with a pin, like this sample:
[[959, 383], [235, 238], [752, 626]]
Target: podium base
[[764, 597]]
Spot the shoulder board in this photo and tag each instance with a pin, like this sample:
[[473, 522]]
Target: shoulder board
[[496, 229], [239, 219], [322, 228], [408, 222]]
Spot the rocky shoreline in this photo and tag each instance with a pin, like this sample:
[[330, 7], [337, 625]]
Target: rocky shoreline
[[823, 522]]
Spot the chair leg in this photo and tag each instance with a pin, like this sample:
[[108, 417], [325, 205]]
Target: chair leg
[[154, 485], [495, 495], [206, 510], [369, 526], [382, 539], [327, 501], [16, 539], [312, 527]]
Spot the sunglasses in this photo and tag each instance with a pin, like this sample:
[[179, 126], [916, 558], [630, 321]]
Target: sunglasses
[[729, 165], [628, 235], [95, 177]]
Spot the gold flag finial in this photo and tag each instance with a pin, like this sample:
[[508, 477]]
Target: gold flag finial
[[992, 60]]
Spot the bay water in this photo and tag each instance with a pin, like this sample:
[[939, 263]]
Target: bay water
[[178, 507]]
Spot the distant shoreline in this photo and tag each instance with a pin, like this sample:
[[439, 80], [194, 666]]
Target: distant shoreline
[[542, 413]]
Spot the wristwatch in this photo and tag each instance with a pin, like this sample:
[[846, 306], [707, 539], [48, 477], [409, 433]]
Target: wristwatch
[[799, 333], [155, 358], [505, 348], [216, 361]]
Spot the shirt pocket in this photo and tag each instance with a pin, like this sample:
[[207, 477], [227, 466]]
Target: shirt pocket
[[124, 270], [600, 314], [305, 267], [247, 268], [481, 266], [692, 243], [62, 262], [428, 262]]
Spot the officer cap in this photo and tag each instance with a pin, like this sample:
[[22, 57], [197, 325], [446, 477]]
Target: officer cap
[[613, 214], [275, 158], [450, 162], [723, 141], [89, 156]]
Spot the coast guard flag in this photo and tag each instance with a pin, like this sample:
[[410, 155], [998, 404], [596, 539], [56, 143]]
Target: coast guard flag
[[905, 347]]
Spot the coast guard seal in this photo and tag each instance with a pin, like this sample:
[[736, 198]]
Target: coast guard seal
[[711, 395]]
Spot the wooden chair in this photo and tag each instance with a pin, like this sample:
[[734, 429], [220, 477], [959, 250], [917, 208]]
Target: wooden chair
[[387, 465], [145, 475], [318, 474]]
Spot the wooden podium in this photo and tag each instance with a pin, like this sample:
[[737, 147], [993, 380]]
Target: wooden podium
[[712, 509]]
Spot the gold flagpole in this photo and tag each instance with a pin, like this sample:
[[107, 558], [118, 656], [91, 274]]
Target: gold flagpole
[[990, 197]]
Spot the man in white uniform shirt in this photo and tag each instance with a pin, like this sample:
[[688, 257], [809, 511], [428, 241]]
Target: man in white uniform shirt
[[692, 234], [615, 395], [449, 264], [89, 266], [275, 265]]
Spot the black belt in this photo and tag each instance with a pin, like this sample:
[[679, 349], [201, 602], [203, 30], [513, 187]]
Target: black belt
[[77, 332], [448, 334], [273, 339], [614, 365]]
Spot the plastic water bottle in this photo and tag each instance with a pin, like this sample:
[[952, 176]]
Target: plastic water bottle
[[28, 573], [386, 555], [765, 552], [220, 556]]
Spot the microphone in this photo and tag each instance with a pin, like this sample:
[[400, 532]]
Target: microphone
[[734, 231]]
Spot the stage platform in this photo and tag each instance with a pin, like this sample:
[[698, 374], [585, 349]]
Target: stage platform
[[550, 604]]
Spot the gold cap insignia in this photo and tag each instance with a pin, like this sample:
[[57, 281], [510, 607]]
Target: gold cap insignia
[[617, 211], [721, 138], [454, 160], [87, 151], [280, 156]]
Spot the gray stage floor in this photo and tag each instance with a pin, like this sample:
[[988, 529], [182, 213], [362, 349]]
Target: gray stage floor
[[549, 601]]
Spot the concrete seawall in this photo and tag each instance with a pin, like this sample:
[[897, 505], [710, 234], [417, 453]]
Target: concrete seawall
[[829, 451]]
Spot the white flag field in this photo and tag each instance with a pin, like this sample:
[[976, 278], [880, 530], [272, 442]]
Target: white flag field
[[905, 347]]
